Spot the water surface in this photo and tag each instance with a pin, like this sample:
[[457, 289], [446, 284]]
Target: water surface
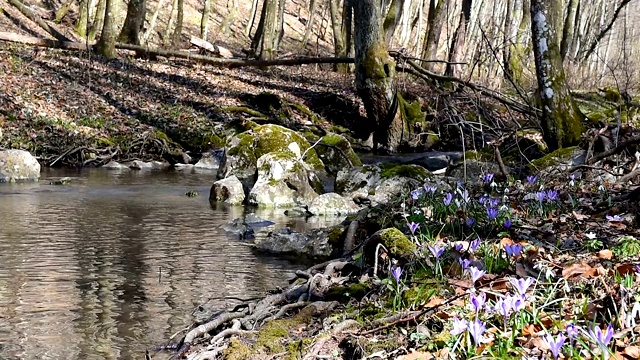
[[117, 262]]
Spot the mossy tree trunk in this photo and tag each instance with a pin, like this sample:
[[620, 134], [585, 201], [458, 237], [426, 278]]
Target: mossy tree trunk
[[457, 43], [136, 13], [83, 17], [567, 29], [177, 33], [107, 43], [204, 22], [436, 19], [561, 119], [98, 21], [376, 76], [518, 48], [392, 19]]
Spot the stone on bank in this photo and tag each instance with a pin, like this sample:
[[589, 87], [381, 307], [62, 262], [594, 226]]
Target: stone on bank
[[18, 165]]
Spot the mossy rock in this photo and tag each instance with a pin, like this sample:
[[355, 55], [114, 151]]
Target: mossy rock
[[336, 153], [397, 242], [237, 350], [348, 292], [417, 172], [555, 158]]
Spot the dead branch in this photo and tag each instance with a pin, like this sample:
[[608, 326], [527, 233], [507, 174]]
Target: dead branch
[[38, 20], [30, 40], [604, 31], [616, 150], [349, 240]]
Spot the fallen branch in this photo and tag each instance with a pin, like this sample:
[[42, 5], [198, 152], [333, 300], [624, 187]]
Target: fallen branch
[[30, 40], [616, 150], [38, 20], [214, 49]]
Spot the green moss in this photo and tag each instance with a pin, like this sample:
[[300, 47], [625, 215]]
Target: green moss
[[237, 351], [341, 143], [397, 242], [412, 113], [335, 235], [612, 94], [272, 337], [552, 158], [313, 117], [410, 171], [345, 293], [245, 110], [160, 135], [339, 129], [389, 344]]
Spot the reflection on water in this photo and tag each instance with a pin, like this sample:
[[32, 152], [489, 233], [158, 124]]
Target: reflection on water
[[116, 263]]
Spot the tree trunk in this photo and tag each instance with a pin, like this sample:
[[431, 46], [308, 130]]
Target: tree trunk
[[204, 22], [392, 19], [175, 40], [252, 18], [106, 45], [347, 25], [338, 39], [136, 14], [269, 32], [561, 119], [506, 53], [376, 76], [63, 11], [436, 19], [98, 21], [83, 17], [457, 43], [167, 37], [567, 29], [312, 17], [152, 23]]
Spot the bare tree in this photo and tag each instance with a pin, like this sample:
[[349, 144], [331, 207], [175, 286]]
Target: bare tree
[[268, 35], [392, 19], [106, 45], [436, 19], [561, 119], [136, 13], [457, 43]]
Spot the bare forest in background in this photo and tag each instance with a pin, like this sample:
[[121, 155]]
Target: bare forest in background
[[492, 38]]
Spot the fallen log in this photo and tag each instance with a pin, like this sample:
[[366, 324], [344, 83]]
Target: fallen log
[[178, 54], [214, 49], [38, 20]]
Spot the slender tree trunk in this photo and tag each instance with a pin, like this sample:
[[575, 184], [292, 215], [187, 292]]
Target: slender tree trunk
[[167, 38], [98, 22], [506, 52], [175, 41], [136, 14], [376, 76], [457, 43], [338, 39], [394, 14], [436, 19], [567, 29], [347, 25], [62, 12], [83, 17], [204, 22], [252, 19], [232, 13], [106, 45], [270, 30], [561, 119], [152, 23], [312, 18]]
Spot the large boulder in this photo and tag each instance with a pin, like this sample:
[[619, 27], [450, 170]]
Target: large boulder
[[473, 169], [332, 204], [228, 190], [210, 160], [283, 181], [313, 245], [382, 183], [18, 165], [336, 153], [241, 158]]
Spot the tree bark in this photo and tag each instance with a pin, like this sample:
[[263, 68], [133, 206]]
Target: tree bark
[[136, 14], [35, 18], [98, 21], [106, 45], [567, 29], [204, 22], [177, 33], [561, 119], [312, 17], [457, 43], [266, 40], [83, 17], [506, 53], [376, 76], [338, 39], [392, 19], [152, 23], [436, 19]]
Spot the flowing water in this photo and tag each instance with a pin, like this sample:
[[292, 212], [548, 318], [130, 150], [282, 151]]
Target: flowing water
[[117, 262]]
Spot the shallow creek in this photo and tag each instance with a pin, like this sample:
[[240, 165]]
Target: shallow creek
[[117, 262]]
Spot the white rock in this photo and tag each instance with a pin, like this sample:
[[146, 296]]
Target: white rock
[[229, 190], [17, 165], [332, 204]]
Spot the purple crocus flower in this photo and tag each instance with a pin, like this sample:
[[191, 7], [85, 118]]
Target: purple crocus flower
[[552, 195], [475, 273], [507, 223], [492, 213], [413, 226], [430, 188], [436, 250], [601, 339], [521, 285], [517, 302], [397, 272], [555, 344], [540, 195], [487, 178], [470, 222], [459, 326], [476, 329], [464, 263], [614, 218], [447, 199], [513, 250], [478, 301], [503, 307], [532, 179], [572, 331], [638, 268], [458, 247], [483, 199], [415, 194], [493, 202], [475, 244]]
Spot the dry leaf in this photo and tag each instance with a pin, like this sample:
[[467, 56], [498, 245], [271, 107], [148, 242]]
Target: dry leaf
[[418, 355], [632, 352], [434, 301], [605, 254], [529, 330], [579, 269], [579, 216], [625, 269]]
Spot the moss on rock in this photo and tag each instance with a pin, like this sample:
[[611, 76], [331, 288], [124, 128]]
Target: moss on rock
[[401, 170], [553, 158], [397, 242]]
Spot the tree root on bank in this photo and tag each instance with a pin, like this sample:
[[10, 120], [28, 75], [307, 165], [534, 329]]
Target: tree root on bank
[[255, 314]]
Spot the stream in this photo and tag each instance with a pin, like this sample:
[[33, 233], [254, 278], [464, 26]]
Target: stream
[[118, 261]]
